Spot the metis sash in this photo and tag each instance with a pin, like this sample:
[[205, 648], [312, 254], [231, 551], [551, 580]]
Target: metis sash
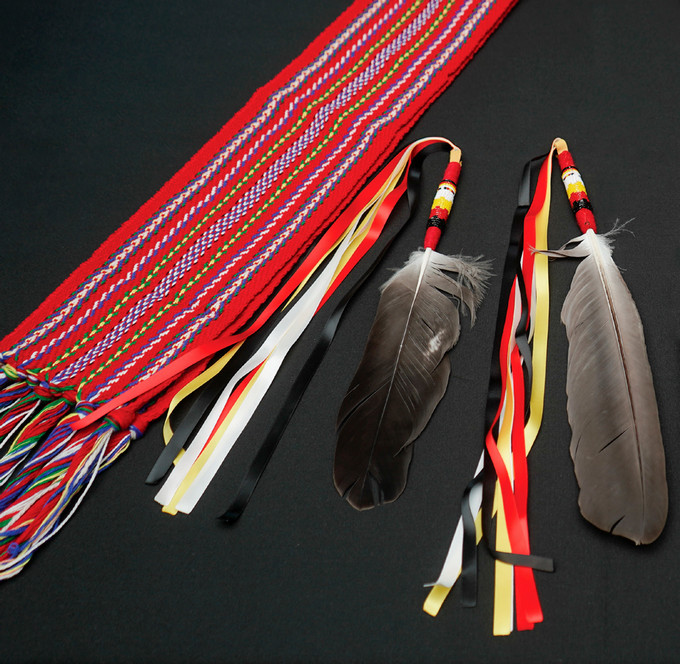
[[207, 253]]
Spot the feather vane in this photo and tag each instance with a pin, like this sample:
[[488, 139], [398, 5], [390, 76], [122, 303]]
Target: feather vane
[[616, 443], [403, 374]]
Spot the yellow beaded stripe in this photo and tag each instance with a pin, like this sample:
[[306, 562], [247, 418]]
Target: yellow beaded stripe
[[444, 196], [573, 182]]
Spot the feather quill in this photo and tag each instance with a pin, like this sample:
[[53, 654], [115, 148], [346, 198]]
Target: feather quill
[[616, 443], [403, 374]]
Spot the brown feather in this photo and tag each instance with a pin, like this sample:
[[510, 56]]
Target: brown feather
[[403, 374], [616, 438]]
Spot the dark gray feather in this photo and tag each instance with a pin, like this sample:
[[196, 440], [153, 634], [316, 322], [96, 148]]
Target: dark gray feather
[[616, 438], [403, 374]]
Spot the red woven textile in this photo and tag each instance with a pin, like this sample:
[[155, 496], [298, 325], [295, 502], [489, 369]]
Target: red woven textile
[[206, 252]]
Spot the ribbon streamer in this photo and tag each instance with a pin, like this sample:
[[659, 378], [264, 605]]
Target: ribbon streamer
[[514, 413], [214, 440]]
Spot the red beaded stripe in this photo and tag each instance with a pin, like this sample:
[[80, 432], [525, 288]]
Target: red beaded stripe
[[580, 203], [439, 215]]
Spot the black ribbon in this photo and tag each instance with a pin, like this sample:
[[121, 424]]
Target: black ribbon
[[209, 393], [487, 476], [364, 269], [203, 403]]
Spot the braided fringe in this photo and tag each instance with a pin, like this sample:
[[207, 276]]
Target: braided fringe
[[30, 428], [49, 488], [46, 467]]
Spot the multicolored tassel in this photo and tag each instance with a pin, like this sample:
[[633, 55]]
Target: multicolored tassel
[[514, 414]]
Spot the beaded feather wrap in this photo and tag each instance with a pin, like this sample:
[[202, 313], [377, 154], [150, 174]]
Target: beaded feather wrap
[[203, 255]]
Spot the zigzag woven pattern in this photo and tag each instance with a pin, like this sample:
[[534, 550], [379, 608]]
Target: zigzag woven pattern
[[209, 255], [203, 255]]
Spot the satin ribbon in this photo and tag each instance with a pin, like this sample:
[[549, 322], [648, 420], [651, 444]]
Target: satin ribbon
[[196, 468], [512, 431]]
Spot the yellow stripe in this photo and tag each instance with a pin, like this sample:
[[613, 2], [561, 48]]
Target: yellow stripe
[[503, 583], [435, 599], [442, 203], [171, 507], [541, 317], [191, 387], [575, 188], [438, 594]]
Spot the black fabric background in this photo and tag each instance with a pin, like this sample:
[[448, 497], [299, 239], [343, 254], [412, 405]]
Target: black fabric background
[[101, 103]]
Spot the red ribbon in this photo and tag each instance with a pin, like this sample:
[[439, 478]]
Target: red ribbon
[[332, 235]]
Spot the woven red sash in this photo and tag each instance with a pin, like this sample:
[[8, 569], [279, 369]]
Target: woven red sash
[[202, 256]]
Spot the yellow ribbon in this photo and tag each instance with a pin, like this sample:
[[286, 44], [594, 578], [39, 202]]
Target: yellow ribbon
[[503, 598], [503, 618], [192, 386], [171, 507], [367, 217]]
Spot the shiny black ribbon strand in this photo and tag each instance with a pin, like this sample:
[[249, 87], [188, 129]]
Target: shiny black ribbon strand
[[487, 476], [209, 393]]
